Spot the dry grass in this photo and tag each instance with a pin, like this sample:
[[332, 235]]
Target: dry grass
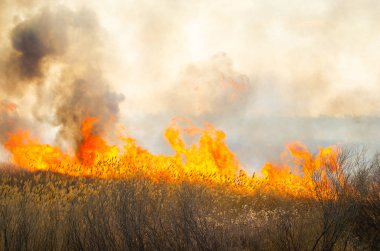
[[47, 211]]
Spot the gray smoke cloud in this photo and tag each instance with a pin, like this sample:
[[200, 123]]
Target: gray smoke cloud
[[35, 39], [265, 72], [209, 89], [311, 71], [10, 121], [34, 42], [54, 57]]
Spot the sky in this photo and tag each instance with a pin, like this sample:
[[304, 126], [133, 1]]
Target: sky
[[265, 72]]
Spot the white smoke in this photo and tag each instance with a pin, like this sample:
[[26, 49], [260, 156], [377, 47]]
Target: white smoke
[[306, 70]]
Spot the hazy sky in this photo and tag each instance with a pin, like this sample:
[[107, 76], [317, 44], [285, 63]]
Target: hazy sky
[[266, 72]]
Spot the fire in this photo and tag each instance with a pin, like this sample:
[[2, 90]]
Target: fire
[[298, 178], [29, 153], [94, 148], [208, 161]]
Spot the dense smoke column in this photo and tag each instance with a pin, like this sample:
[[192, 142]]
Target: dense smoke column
[[36, 39], [69, 41], [35, 43], [86, 97]]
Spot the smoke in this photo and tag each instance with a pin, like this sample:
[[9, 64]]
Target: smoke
[[87, 97], [35, 39], [210, 88], [310, 68], [266, 72], [301, 59], [55, 55], [34, 42], [10, 121]]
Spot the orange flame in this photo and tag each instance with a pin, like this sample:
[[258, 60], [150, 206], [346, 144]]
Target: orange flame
[[209, 161], [93, 148]]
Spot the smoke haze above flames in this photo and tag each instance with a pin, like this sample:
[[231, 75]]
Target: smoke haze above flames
[[266, 72]]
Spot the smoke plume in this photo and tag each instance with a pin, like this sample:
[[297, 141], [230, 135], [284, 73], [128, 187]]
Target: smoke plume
[[265, 72], [55, 54], [210, 88]]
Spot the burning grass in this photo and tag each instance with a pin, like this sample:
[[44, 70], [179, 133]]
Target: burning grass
[[105, 198], [208, 162]]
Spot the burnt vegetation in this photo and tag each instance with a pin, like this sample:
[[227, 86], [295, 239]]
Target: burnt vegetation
[[48, 211]]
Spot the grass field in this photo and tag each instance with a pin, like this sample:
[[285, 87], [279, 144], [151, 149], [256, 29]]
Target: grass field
[[50, 211]]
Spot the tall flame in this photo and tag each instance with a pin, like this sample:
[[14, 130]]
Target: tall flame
[[209, 161]]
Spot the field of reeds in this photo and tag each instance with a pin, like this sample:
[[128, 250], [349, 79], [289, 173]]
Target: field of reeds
[[50, 211]]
